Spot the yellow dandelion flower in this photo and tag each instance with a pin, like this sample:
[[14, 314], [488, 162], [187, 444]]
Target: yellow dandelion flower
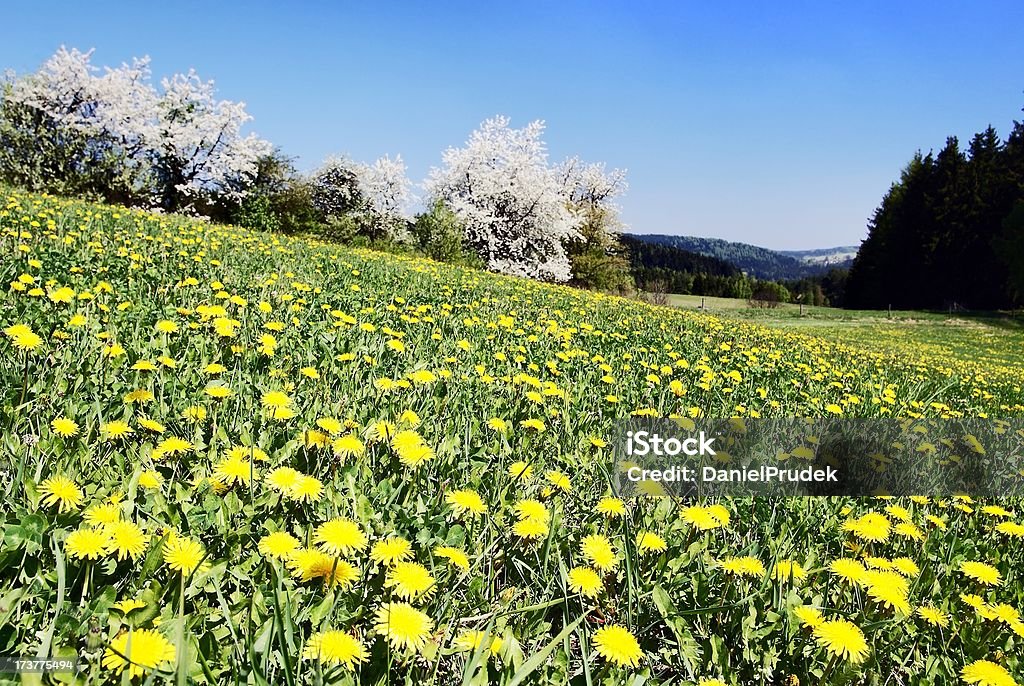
[[848, 570], [183, 555], [530, 529], [340, 536], [872, 527], [809, 616], [87, 543], [842, 639], [409, 580], [235, 469], [391, 550], [283, 479], [173, 446], [129, 605], [599, 552], [560, 480], [532, 509], [521, 471], [743, 566], [330, 425], [127, 540], [982, 573], [279, 545], [335, 647], [933, 616], [276, 399], [305, 488], [116, 429], [150, 479], [102, 513], [64, 427], [617, 645], [403, 626], [151, 425], [454, 556], [62, 492], [650, 542], [348, 446], [986, 673], [785, 570], [471, 640], [415, 456], [585, 581], [139, 651], [533, 424], [700, 518], [466, 502], [498, 425], [611, 507]]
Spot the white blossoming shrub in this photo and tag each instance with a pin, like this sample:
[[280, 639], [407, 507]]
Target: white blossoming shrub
[[367, 199], [335, 187], [598, 259], [590, 188], [512, 204], [175, 147], [387, 191]]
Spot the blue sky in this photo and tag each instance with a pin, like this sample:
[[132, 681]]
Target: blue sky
[[779, 126]]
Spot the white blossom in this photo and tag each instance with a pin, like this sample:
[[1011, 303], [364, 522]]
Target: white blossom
[[511, 202], [201, 146], [336, 187], [387, 193], [375, 195], [116, 107], [187, 139], [591, 187]]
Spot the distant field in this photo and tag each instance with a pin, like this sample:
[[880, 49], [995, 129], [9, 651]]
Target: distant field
[[695, 301], [991, 338]]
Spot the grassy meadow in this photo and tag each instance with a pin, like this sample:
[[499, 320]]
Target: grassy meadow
[[993, 338], [240, 458]]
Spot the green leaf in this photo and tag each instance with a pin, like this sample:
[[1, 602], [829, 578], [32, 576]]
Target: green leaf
[[537, 659]]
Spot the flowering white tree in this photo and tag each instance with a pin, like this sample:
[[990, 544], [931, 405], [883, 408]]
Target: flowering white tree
[[369, 199], [512, 204], [118, 103], [335, 187], [201, 149], [173, 147], [591, 192], [387, 192], [67, 121], [591, 188]]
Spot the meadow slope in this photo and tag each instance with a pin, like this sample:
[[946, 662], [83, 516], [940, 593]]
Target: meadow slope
[[248, 458]]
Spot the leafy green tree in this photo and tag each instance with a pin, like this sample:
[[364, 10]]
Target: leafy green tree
[[257, 212], [280, 199], [440, 235]]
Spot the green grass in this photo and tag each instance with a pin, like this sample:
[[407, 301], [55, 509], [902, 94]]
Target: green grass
[[235, 397], [995, 338]]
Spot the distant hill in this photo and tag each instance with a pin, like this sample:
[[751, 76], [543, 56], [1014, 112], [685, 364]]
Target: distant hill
[[676, 270], [655, 255], [753, 260], [825, 257]]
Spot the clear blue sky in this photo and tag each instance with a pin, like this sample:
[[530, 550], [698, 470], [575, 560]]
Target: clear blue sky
[[776, 123]]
